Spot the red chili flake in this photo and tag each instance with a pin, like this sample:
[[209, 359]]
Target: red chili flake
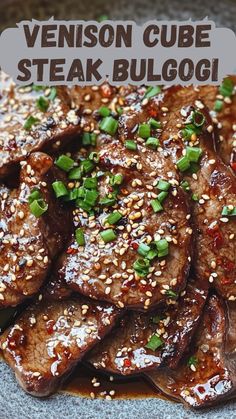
[[215, 233], [49, 326], [127, 363], [228, 265], [135, 245], [226, 281], [201, 389], [152, 112], [71, 251], [106, 90], [233, 165]]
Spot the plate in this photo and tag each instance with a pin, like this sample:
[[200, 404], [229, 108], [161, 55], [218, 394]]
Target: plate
[[15, 404]]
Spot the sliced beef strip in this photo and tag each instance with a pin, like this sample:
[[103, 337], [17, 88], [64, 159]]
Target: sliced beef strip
[[207, 374], [28, 244], [214, 184], [49, 339], [105, 271], [124, 350], [71, 112]]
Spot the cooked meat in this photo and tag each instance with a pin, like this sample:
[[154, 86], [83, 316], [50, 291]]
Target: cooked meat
[[34, 118], [28, 244], [207, 375], [213, 187], [106, 270], [127, 350], [49, 339]]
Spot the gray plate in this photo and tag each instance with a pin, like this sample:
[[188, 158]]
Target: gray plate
[[15, 404]]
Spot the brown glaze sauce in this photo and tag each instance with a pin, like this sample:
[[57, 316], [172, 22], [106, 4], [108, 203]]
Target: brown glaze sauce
[[80, 384]]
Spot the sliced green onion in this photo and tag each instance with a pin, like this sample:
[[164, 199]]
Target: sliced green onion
[[91, 197], [87, 166], [116, 179], [104, 111], [192, 361], [170, 293], [156, 205], [152, 142], [89, 138], [107, 201], [90, 183], [143, 249], [194, 197], [83, 205], [163, 185], [79, 236], [144, 130], [183, 164], [75, 173], [53, 94], [152, 253], [185, 185], [114, 217], [38, 88], [189, 130], [193, 153], [154, 123], [141, 266], [162, 248], [130, 145], [227, 88], [108, 235], [30, 121], [198, 118], [152, 91], [38, 207], [109, 125], [59, 188], [72, 195], [218, 106], [94, 156], [42, 103], [230, 212], [65, 163], [162, 196], [154, 343], [34, 195]]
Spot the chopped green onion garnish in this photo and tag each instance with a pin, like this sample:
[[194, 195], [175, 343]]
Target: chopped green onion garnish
[[53, 94], [227, 88], [42, 103], [94, 156], [83, 205], [72, 195], [143, 249], [38, 207], [183, 164], [152, 91], [192, 361], [163, 185], [38, 88], [59, 189], [114, 217], [154, 123], [90, 183], [130, 145], [193, 153], [230, 212], [144, 130], [162, 248], [154, 343], [109, 125], [161, 196], [194, 197], [198, 118], [104, 111], [34, 195], [89, 138], [141, 266], [171, 294], [156, 205], [185, 185], [107, 201], [218, 106], [65, 163], [30, 121], [87, 166], [108, 235], [75, 173], [189, 130], [79, 236], [116, 179], [90, 197], [152, 142]]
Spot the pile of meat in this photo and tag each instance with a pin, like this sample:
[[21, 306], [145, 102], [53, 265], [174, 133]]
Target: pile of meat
[[117, 235]]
